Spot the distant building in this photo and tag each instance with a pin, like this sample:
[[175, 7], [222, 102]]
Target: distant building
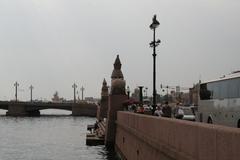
[[92, 100], [135, 94], [57, 99]]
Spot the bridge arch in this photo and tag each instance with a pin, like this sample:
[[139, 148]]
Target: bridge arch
[[51, 111]]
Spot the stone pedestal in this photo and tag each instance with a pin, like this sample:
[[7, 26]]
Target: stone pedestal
[[115, 104], [103, 109], [98, 112], [19, 109], [16, 109]]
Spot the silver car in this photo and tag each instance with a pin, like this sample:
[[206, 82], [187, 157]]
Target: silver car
[[188, 113]]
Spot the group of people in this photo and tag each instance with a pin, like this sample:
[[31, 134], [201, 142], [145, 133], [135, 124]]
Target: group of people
[[164, 110], [167, 111]]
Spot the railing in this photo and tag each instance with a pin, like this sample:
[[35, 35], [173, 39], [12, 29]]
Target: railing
[[148, 137]]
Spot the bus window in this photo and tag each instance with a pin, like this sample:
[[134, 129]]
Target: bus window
[[238, 87], [215, 87], [205, 94], [233, 88], [220, 89], [223, 90]]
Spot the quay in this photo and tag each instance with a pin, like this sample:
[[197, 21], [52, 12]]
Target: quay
[[138, 136], [97, 134]]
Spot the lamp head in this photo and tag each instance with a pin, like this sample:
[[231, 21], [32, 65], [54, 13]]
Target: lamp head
[[155, 22]]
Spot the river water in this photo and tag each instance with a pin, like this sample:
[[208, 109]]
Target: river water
[[52, 136]]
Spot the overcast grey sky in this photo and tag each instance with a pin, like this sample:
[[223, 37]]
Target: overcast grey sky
[[53, 43]]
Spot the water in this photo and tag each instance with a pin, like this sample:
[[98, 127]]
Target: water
[[55, 137]]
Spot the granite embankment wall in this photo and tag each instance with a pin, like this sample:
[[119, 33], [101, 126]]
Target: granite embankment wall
[[142, 137]]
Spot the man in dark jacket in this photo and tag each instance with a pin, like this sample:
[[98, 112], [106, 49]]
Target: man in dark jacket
[[167, 111]]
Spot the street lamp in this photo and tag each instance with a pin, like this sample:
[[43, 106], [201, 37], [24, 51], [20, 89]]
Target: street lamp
[[140, 94], [16, 84], [74, 86], [31, 88], [82, 89], [154, 44], [146, 89], [128, 92]]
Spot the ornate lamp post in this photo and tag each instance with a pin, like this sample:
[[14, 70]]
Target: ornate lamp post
[[31, 88], [154, 44], [74, 92], [16, 84], [82, 89]]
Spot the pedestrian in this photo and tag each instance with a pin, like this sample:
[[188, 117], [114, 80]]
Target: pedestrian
[[178, 112], [158, 112], [96, 125], [140, 109], [133, 107], [167, 110]]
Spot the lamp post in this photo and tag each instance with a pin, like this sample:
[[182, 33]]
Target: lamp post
[[82, 89], [78, 96], [128, 92], [16, 84], [154, 44], [140, 94], [146, 89], [31, 88], [74, 92], [167, 93]]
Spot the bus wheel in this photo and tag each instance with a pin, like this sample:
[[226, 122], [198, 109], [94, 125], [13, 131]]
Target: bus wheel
[[209, 120], [238, 123]]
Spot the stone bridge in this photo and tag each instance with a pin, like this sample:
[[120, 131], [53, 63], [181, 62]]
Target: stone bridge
[[33, 108]]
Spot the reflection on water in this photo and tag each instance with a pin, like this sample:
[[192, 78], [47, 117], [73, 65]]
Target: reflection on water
[[58, 137]]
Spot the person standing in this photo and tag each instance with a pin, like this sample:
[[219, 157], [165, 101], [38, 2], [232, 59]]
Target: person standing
[[167, 110], [178, 112], [158, 112]]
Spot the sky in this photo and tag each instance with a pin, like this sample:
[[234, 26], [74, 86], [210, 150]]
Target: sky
[[52, 44]]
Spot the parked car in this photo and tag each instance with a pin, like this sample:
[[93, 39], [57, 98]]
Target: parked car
[[147, 108], [188, 113]]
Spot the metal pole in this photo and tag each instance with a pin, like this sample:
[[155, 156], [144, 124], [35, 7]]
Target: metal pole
[[154, 71], [82, 89], [154, 44], [146, 91], [31, 88], [16, 91], [167, 93], [140, 94], [16, 85]]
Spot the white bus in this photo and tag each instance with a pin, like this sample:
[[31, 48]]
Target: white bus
[[220, 101]]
